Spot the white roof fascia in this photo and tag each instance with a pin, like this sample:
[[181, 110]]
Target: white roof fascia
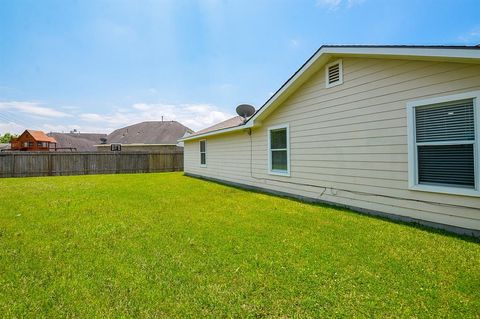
[[221, 131], [323, 55]]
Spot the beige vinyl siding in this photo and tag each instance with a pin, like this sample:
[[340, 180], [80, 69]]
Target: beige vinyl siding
[[348, 143]]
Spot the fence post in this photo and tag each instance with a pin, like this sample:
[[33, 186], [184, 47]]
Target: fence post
[[49, 165], [117, 163], [12, 173], [85, 164], [150, 160]]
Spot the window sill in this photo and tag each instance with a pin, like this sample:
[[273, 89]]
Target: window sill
[[280, 173], [203, 165], [445, 190]]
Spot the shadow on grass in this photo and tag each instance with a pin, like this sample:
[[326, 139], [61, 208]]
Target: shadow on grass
[[400, 220]]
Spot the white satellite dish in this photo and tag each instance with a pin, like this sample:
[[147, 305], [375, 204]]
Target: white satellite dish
[[245, 110]]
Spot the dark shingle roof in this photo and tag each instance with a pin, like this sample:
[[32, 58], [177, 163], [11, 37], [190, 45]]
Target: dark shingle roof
[[83, 142], [153, 132]]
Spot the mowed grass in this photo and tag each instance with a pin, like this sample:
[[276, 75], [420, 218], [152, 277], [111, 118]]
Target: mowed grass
[[166, 245]]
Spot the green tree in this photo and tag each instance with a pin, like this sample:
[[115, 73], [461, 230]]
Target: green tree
[[5, 138]]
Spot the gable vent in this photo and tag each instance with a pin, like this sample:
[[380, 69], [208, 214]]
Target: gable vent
[[334, 74]]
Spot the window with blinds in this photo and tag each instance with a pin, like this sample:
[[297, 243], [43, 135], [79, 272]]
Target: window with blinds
[[445, 144], [334, 74]]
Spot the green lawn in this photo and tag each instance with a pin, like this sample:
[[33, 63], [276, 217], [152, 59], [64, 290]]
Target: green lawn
[[166, 245]]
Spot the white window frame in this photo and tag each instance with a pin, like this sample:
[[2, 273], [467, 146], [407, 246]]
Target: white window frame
[[412, 145], [340, 73], [200, 152], [270, 170]]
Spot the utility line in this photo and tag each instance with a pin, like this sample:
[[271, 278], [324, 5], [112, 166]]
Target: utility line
[[13, 116], [10, 118]]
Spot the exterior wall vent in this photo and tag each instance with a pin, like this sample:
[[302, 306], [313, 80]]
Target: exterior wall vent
[[334, 74]]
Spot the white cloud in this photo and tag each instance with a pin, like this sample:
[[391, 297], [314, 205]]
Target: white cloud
[[331, 4], [352, 3], [152, 91], [336, 4], [80, 128], [92, 117], [70, 107], [32, 108], [111, 31], [471, 37], [11, 127], [294, 43], [194, 116]]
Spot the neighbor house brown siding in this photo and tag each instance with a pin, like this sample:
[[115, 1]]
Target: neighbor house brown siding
[[27, 142]]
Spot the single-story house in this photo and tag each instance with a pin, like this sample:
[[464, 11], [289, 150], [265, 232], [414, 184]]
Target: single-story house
[[151, 136], [388, 130]]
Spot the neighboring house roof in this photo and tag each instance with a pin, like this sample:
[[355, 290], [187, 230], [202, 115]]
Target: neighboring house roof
[[4, 146], [82, 142], [469, 54], [153, 132], [232, 122], [39, 136]]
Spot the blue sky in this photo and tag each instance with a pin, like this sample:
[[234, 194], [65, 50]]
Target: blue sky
[[99, 65]]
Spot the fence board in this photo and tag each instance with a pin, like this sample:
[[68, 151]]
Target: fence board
[[23, 164]]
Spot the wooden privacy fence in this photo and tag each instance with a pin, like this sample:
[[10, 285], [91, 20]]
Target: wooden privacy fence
[[23, 164]]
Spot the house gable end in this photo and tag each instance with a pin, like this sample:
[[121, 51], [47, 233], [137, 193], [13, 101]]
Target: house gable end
[[326, 54]]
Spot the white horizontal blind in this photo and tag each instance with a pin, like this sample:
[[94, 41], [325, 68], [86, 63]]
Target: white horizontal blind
[[452, 121], [445, 138]]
